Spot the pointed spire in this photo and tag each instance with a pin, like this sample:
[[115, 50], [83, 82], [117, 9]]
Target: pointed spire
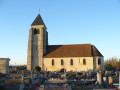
[[38, 21]]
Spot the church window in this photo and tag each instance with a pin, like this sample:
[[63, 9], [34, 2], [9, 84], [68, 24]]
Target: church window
[[62, 63], [99, 61], [79, 60], [71, 62], [52, 62], [36, 31], [84, 61]]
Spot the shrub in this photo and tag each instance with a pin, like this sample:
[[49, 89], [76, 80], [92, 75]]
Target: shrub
[[37, 68]]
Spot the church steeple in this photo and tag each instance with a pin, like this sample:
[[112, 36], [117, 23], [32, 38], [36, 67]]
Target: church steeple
[[37, 43], [38, 21]]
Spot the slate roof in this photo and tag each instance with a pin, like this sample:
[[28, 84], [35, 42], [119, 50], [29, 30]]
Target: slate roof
[[77, 50], [38, 21]]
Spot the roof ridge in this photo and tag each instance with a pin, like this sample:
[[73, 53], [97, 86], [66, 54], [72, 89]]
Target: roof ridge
[[69, 44]]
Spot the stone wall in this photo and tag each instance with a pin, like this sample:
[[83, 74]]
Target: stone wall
[[4, 65], [29, 52], [77, 64], [36, 47]]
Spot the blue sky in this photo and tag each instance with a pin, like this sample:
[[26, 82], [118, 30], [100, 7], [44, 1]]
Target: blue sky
[[68, 22]]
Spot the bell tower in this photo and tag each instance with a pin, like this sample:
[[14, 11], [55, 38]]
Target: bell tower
[[38, 40]]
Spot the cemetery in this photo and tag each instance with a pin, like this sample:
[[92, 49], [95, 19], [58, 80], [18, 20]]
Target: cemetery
[[44, 80], [60, 45]]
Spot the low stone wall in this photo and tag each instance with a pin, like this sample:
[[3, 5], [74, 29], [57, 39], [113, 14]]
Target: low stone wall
[[15, 84], [12, 82]]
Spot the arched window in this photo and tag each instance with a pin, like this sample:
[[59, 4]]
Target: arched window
[[99, 61], [52, 62], [79, 60], [62, 63], [84, 61], [36, 31], [71, 62]]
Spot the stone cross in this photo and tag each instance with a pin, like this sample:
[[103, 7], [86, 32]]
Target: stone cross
[[22, 77], [39, 11], [65, 73], [22, 81]]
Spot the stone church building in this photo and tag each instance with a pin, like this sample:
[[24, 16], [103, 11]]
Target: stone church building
[[76, 57]]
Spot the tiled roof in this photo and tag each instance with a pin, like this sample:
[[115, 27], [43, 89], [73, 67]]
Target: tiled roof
[[38, 21], [77, 50]]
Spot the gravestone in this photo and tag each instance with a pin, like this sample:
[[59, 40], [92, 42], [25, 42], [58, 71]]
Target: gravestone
[[105, 81], [106, 73], [88, 74], [116, 74], [83, 73], [13, 77], [99, 77], [110, 81]]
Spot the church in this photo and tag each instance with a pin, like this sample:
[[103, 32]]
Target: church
[[75, 57]]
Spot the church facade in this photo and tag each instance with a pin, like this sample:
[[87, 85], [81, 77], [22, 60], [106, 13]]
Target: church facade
[[76, 57]]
